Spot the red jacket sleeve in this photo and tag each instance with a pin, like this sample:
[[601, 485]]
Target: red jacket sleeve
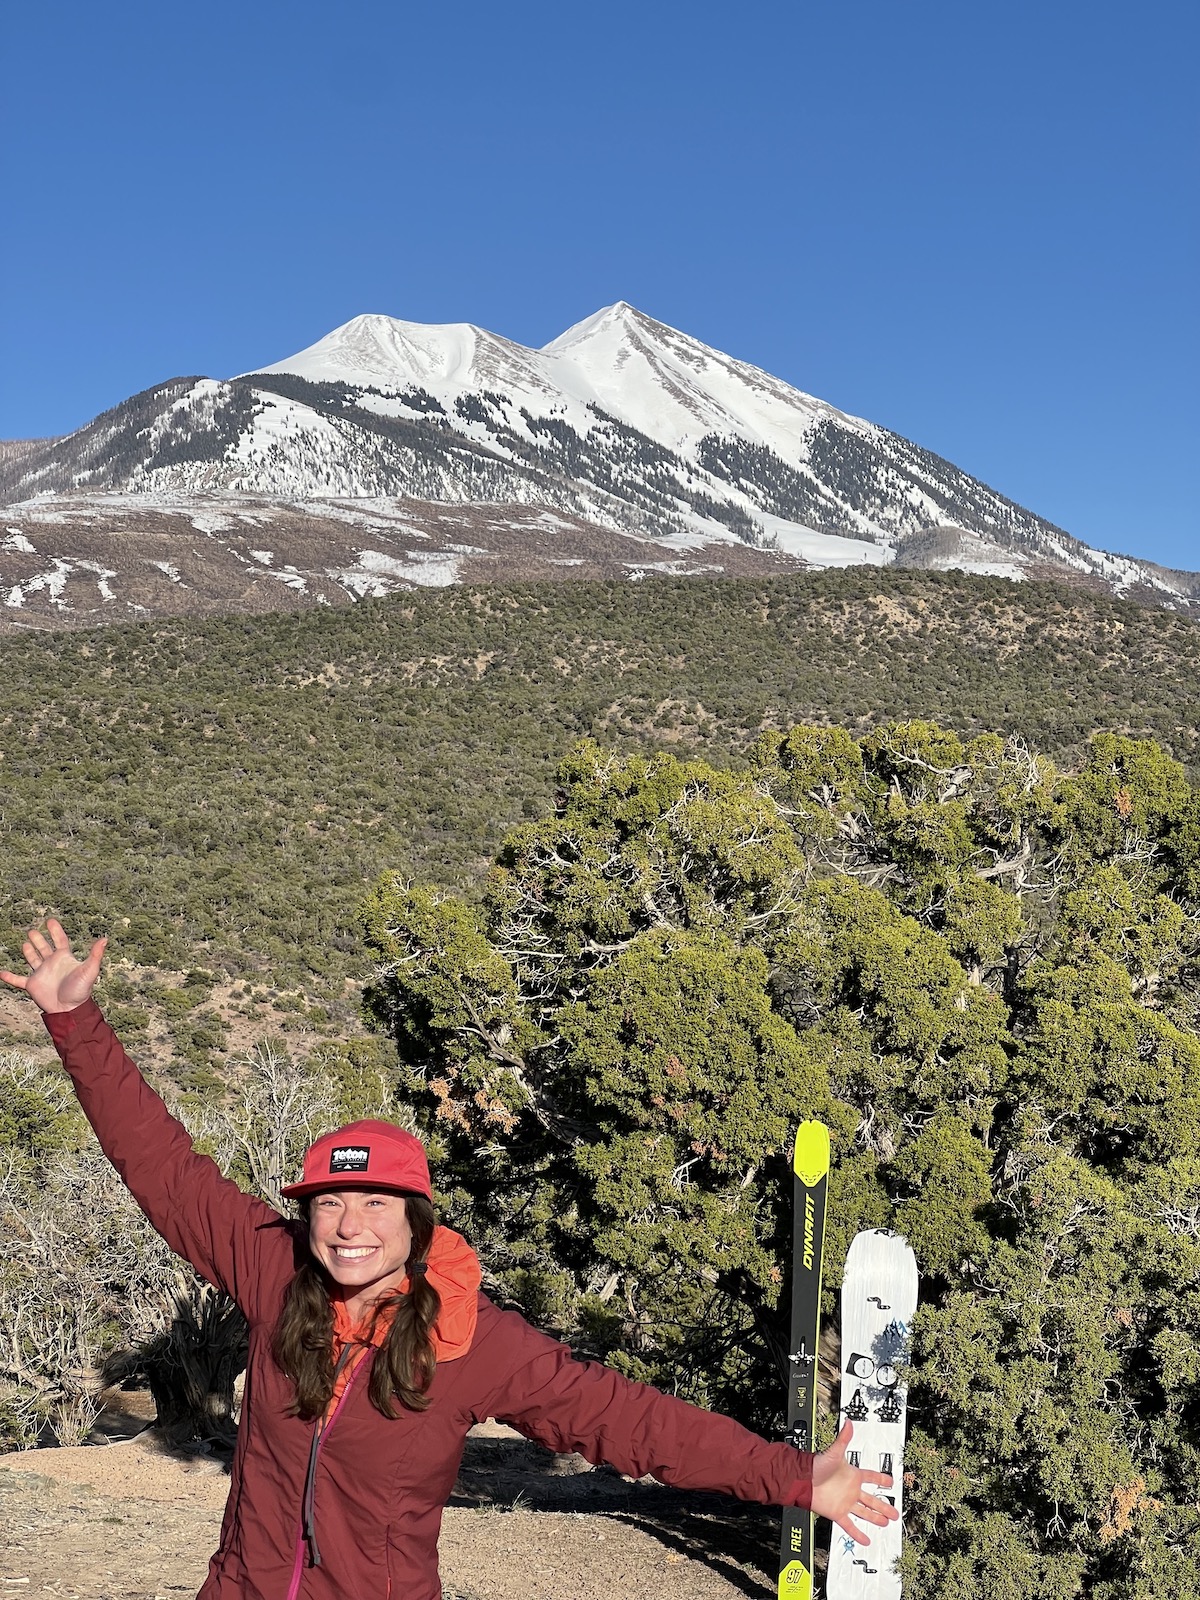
[[587, 1407], [202, 1215]]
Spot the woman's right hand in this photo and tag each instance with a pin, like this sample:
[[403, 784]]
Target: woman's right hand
[[56, 981]]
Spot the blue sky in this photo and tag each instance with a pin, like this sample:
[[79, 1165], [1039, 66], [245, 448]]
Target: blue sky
[[975, 224]]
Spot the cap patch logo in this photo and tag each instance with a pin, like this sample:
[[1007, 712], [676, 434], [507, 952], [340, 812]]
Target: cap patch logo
[[349, 1158]]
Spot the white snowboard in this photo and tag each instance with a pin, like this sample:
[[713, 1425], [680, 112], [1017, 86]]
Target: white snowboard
[[879, 1299]]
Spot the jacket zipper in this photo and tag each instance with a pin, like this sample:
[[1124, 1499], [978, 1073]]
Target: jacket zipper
[[307, 1532]]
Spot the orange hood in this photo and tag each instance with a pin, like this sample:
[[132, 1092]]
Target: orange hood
[[453, 1270]]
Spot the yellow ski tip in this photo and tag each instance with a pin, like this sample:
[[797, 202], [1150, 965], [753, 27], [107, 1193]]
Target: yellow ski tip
[[795, 1581], [811, 1160]]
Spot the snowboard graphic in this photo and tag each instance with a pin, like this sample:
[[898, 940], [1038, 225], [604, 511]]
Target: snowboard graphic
[[810, 1180], [879, 1298]]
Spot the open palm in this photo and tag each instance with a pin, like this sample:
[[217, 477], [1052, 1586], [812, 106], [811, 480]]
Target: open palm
[[840, 1490], [57, 981]]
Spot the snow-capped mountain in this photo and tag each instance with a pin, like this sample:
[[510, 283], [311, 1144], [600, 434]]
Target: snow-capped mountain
[[621, 423]]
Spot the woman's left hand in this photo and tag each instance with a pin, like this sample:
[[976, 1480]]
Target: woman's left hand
[[839, 1490]]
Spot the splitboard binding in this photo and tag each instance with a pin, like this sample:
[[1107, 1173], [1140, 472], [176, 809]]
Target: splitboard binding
[[810, 1182], [879, 1300]]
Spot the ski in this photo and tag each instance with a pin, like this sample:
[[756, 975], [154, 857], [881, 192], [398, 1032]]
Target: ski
[[879, 1300], [810, 1170]]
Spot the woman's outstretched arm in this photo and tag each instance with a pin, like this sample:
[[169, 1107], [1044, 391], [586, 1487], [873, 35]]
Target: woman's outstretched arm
[[585, 1406], [202, 1215]]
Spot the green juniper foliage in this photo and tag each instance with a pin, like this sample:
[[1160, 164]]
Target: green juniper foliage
[[981, 972]]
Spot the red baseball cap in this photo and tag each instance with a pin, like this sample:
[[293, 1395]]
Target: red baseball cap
[[364, 1155]]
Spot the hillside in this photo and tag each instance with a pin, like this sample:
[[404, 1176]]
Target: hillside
[[87, 560], [219, 794]]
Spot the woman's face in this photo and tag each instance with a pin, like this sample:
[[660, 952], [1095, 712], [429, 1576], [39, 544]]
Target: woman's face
[[361, 1237]]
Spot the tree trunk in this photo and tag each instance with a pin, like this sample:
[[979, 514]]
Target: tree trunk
[[192, 1368]]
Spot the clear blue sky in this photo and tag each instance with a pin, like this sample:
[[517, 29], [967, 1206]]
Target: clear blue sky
[[975, 224]]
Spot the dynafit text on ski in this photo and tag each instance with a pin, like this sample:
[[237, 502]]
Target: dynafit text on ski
[[810, 1172]]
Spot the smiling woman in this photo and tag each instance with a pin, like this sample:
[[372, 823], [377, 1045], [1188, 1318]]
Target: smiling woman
[[339, 1481], [372, 1249], [362, 1241]]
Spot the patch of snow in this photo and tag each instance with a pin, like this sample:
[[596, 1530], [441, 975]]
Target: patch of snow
[[693, 535], [211, 522], [824, 549], [53, 582], [202, 391], [640, 569], [375, 574], [378, 561], [18, 543], [169, 569], [379, 516], [293, 579], [264, 556], [979, 565], [1122, 573], [926, 508], [430, 572], [102, 577]]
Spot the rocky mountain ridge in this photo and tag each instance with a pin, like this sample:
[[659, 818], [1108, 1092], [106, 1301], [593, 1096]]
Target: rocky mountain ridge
[[657, 451]]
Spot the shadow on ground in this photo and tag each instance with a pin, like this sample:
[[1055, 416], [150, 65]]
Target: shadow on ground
[[503, 1471]]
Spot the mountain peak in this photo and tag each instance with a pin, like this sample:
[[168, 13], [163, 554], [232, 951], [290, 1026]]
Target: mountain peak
[[377, 351], [622, 421], [620, 319], [383, 352]]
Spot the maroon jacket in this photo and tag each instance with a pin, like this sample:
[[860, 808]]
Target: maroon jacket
[[379, 1485]]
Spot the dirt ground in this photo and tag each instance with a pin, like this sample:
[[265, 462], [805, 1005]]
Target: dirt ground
[[134, 1520]]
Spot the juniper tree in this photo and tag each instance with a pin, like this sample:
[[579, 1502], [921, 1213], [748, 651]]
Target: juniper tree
[[981, 972]]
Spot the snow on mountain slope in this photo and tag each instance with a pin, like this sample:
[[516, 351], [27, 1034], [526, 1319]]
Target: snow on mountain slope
[[445, 359], [621, 422], [86, 558], [676, 389], [651, 377], [739, 446]]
